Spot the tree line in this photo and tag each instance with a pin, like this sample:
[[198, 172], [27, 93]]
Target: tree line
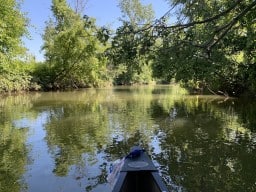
[[204, 45]]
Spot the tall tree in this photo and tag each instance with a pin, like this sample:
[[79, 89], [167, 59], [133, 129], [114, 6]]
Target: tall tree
[[13, 71], [72, 51], [135, 12], [128, 53]]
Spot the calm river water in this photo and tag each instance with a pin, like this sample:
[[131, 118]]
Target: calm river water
[[66, 141]]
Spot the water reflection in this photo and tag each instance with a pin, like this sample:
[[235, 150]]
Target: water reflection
[[13, 149], [206, 149], [66, 141]]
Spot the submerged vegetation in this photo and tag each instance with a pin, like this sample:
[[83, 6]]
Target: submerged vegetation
[[205, 45]]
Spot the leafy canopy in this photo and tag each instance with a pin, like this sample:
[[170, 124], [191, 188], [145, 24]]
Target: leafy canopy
[[72, 51], [14, 61], [212, 44]]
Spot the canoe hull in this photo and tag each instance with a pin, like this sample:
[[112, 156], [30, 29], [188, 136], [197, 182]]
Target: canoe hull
[[138, 175]]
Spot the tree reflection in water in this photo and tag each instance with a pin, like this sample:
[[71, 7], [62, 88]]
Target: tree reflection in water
[[198, 143]]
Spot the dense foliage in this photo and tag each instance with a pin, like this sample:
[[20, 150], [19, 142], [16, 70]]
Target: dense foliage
[[72, 50], [15, 65], [128, 54], [206, 45], [211, 46]]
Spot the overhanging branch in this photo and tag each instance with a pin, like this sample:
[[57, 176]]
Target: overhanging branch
[[182, 26], [228, 26]]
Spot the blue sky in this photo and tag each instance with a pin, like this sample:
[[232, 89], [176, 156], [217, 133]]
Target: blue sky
[[106, 12]]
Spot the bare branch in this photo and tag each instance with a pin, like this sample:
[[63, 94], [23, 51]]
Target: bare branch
[[79, 5]]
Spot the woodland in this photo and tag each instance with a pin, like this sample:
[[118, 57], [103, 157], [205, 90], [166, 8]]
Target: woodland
[[205, 46]]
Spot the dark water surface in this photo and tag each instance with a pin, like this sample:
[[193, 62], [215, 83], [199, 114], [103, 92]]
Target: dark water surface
[[66, 141]]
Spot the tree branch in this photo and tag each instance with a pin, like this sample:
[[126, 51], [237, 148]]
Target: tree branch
[[182, 26], [228, 26]]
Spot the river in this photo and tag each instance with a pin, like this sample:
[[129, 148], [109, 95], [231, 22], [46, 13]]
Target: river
[[66, 141]]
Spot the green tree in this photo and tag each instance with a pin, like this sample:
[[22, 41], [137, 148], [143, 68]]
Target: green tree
[[211, 45], [73, 53], [135, 12], [14, 63], [128, 54]]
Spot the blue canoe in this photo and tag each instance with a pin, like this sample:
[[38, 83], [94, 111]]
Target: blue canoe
[[138, 174]]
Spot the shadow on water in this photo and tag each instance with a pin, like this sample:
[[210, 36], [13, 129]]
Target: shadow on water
[[66, 141], [206, 147]]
